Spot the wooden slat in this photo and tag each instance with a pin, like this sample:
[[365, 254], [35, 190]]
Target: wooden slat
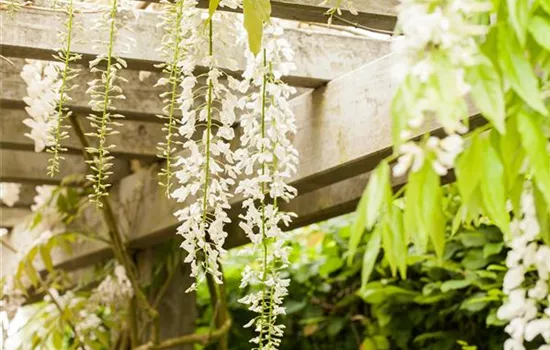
[[30, 167], [32, 33], [375, 14], [9, 217], [137, 140]]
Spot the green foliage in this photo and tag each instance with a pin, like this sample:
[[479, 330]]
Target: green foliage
[[256, 13]]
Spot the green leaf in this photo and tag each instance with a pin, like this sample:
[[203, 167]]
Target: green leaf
[[377, 292], [539, 27], [518, 70], [492, 249], [455, 284], [412, 212], [487, 93], [545, 4], [518, 16], [492, 187], [45, 253], [534, 143], [432, 215], [543, 215], [256, 13], [509, 144], [358, 227], [378, 193], [468, 164], [212, 7], [402, 106], [369, 258]]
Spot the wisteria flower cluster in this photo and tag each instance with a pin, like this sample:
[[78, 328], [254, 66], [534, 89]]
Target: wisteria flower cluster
[[42, 81], [526, 282], [439, 41], [66, 73], [207, 171], [268, 160], [114, 290], [103, 92], [9, 193]]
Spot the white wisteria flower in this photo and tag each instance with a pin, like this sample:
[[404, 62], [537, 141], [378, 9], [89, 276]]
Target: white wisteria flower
[[524, 304], [439, 42], [9, 193], [206, 171], [114, 289], [268, 160], [42, 82]]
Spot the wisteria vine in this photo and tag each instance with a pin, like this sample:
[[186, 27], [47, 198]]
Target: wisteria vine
[[103, 92], [269, 159], [207, 172]]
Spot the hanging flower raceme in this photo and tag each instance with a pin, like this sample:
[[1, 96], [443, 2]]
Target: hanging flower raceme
[[268, 159], [178, 37], [206, 172], [439, 42], [103, 92], [9, 193], [42, 81], [526, 283], [66, 73], [113, 290]]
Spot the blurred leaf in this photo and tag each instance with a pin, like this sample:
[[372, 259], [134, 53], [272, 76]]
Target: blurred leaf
[[487, 93], [376, 292], [518, 16], [358, 226], [492, 249], [369, 258], [45, 253], [543, 215], [256, 13], [368, 344], [455, 284], [378, 193], [335, 325], [492, 188], [467, 165], [534, 143], [212, 7], [293, 306], [539, 27], [518, 70]]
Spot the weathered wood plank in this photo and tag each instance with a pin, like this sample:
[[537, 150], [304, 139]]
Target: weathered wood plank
[[30, 167], [375, 14], [137, 140], [10, 217], [31, 33]]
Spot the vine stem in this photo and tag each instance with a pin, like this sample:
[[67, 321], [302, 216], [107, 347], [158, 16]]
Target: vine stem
[[105, 113], [264, 238], [56, 148], [175, 80], [120, 252]]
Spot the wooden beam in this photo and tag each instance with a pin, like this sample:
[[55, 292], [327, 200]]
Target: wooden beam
[[375, 14], [10, 217], [137, 140], [32, 33], [344, 130], [30, 167]]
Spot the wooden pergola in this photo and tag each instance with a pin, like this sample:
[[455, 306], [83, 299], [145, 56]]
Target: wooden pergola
[[344, 125], [342, 111]]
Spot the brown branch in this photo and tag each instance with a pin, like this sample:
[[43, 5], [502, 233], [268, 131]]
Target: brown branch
[[203, 339], [119, 248]]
